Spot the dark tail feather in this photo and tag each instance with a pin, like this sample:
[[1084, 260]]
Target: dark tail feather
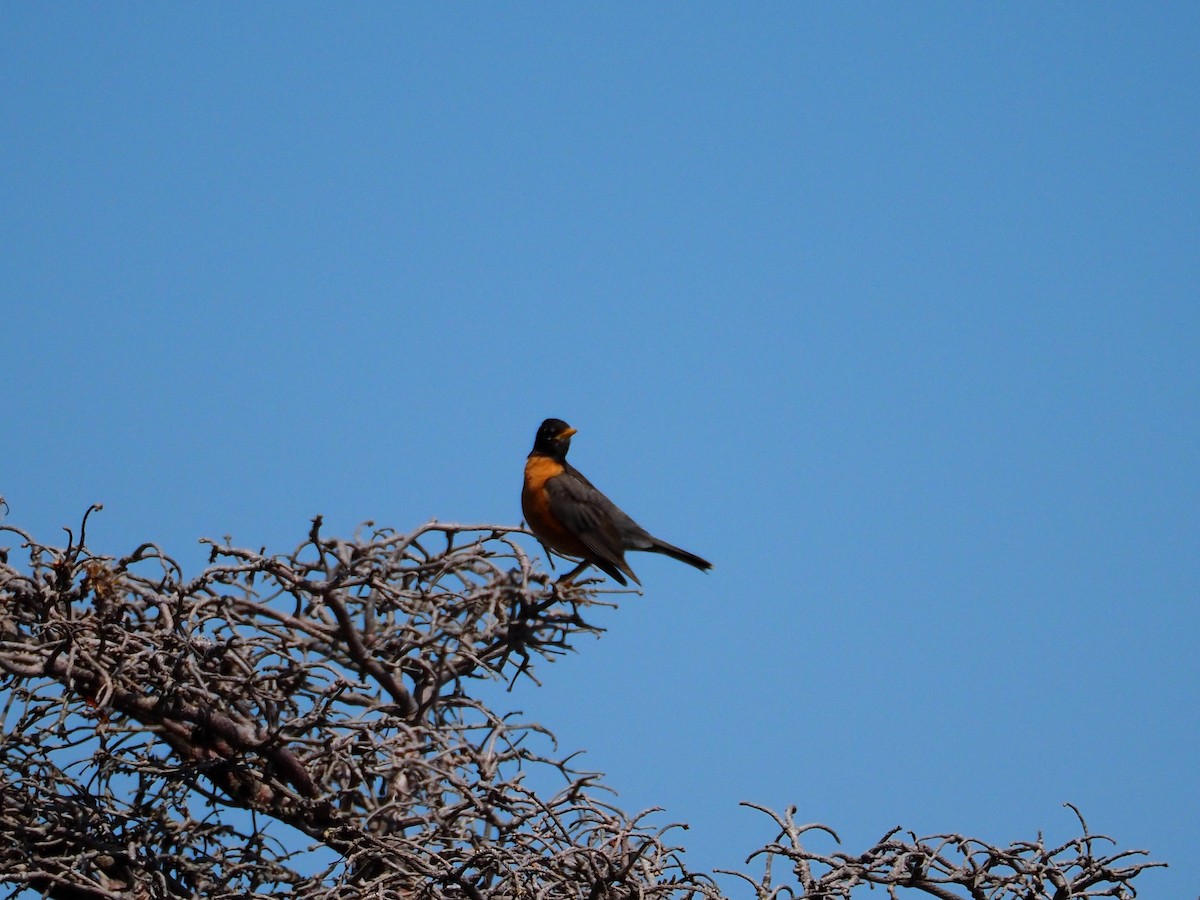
[[657, 546]]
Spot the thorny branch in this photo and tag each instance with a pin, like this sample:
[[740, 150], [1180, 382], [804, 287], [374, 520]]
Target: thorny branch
[[313, 722], [949, 866]]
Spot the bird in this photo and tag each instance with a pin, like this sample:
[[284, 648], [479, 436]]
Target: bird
[[570, 516]]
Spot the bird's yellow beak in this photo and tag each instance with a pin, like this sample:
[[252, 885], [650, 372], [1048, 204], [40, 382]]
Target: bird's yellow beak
[[562, 435]]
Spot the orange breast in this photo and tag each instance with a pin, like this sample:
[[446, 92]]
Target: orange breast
[[535, 504]]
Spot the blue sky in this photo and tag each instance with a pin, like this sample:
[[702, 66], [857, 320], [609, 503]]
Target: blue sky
[[891, 311]]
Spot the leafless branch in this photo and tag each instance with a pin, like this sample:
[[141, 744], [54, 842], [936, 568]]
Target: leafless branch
[[952, 866], [312, 722]]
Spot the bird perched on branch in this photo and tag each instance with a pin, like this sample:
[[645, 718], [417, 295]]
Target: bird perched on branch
[[570, 516]]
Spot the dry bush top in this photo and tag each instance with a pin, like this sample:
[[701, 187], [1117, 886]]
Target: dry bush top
[[311, 722]]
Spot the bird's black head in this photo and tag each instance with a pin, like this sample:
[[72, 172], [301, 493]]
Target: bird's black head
[[553, 438]]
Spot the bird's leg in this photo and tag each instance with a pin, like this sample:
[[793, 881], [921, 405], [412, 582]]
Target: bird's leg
[[566, 579]]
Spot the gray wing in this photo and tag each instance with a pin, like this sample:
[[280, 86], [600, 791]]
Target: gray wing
[[592, 518]]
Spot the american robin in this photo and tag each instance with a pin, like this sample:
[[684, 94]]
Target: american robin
[[569, 515]]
